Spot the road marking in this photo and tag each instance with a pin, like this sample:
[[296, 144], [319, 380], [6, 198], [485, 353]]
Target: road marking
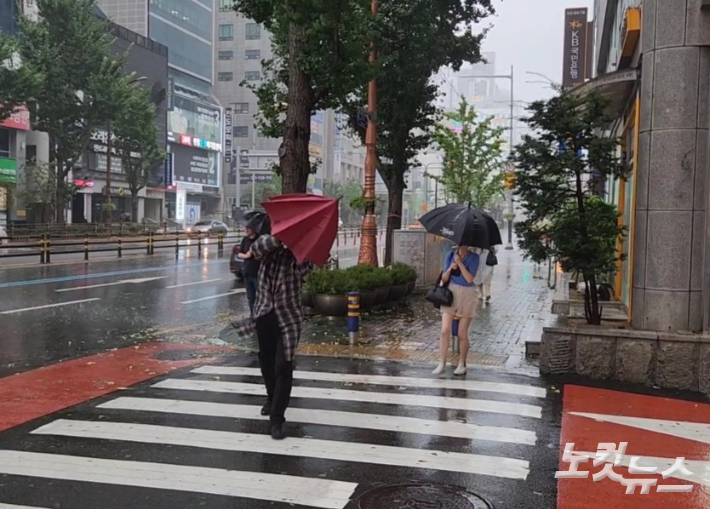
[[47, 306], [297, 447], [422, 383], [233, 292], [359, 396], [288, 489], [194, 283], [396, 424], [114, 283], [12, 506]]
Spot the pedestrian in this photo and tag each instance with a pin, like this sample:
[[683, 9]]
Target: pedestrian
[[485, 273], [278, 320], [250, 270], [460, 268]]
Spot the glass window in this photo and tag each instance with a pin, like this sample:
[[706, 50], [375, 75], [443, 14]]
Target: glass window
[[226, 32], [187, 53], [226, 5], [252, 75], [241, 107], [253, 31], [225, 55], [4, 142], [185, 14], [225, 76], [253, 54], [241, 131]]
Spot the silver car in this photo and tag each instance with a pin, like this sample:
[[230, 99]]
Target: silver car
[[207, 229]]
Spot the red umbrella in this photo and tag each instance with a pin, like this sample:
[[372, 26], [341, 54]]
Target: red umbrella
[[306, 223]]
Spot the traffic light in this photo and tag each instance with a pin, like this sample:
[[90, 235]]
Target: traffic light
[[509, 182]]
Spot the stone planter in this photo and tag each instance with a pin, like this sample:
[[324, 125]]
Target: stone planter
[[307, 300], [331, 305], [397, 292], [410, 286], [381, 295], [672, 361], [367, 299]]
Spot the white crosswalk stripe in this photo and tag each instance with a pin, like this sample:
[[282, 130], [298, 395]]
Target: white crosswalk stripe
[[202, 433]]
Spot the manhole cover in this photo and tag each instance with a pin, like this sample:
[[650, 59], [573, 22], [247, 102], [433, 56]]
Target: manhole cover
[[421, 496]]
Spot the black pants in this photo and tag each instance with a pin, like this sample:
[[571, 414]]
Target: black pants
[[251, 284], [276, 370]]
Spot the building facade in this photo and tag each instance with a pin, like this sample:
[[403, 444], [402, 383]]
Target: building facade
[[653, 59]]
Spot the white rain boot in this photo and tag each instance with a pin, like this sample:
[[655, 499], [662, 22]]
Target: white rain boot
[[439, 369], [461, 369]]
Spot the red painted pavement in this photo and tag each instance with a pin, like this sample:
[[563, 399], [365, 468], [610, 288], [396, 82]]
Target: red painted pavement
[[587, 433], [33, 394]]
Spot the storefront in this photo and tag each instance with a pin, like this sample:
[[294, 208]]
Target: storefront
[[12, 158]]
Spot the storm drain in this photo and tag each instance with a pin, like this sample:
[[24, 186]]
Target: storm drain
[[421, 496]]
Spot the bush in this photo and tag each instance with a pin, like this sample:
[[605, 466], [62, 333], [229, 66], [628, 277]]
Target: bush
[[359, 278], [402, 274], [327, 282]]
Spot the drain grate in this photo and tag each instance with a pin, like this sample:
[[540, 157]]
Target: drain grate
[[421, 496]]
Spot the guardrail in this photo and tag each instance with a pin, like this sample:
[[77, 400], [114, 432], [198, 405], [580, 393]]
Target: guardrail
[[44, 246]]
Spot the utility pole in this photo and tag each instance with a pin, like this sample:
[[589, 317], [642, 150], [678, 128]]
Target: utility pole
[[368, 241], [109, 147], [511, 206]]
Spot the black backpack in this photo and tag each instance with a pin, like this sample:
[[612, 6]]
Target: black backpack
[[491, 259]]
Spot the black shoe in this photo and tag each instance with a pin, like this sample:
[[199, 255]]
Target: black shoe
[[266, 409], [277, 431]]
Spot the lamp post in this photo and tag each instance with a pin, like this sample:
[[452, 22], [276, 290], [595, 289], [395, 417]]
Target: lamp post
[[368, 242]]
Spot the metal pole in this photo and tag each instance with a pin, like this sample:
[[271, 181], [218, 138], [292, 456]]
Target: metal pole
[[436, 194], [510, 148], [238, 200], [107, 217], [368, 244], [253, 190]]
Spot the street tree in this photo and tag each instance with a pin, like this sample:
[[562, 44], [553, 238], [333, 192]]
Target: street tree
[[473, 156], [17, 81], [415, 39], [136, 142], [68, 46], [38, 191], [320, 57], [556, 174]]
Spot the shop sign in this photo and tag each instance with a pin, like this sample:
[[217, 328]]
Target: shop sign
[[575, 47], [228, 136], [195, 166], [199, 121], [169, 176], [19, 119], [8, 170]]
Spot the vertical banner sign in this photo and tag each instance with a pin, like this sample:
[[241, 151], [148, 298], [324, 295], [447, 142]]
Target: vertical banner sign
[[180, 205], [575, 48], [228, 135], [169, 177], [171, 93]]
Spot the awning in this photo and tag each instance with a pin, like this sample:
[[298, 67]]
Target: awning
[[618, 86]]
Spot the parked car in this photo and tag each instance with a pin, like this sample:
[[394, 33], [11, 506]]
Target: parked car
[[207, 228], [236, 264], [4, 237]]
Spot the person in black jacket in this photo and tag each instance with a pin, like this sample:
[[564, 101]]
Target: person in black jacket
[[251, 267]]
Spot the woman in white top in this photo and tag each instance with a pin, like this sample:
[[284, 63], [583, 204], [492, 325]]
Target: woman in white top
[[484, 277]]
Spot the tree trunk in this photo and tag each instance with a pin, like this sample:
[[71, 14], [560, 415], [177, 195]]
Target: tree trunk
[[134, 206], [594, 315], [294, 160], [395, 192], [60, 201]]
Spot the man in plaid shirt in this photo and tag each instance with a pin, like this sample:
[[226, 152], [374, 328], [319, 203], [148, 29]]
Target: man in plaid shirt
[[278, 318]]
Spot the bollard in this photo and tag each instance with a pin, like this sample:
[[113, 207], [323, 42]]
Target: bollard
[[177, 246], [199, 245], [147, 245], [120, 248], [220, 242], [86, 247], [41, 249], [48, 244], [353, 317], [152, 243], [455, 335]]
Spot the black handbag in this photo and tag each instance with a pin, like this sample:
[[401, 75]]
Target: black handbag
[[491, 259], [440, 295]]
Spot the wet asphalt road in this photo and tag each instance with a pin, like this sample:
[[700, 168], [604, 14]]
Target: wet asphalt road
[[194, 439], [55, 312]]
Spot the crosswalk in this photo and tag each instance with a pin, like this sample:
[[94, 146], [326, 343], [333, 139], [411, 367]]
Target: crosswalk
[[197, 438]]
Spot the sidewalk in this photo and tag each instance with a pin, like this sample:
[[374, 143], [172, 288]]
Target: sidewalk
[[520, 307]]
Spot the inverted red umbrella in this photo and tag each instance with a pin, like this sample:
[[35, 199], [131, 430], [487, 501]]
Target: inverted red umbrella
[[306, 223]]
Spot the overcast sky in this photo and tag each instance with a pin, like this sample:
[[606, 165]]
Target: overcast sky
[[528, 34]]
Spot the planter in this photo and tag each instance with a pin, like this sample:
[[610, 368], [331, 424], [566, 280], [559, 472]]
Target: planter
[[397, 292], [367, 299], [410, 286], [331, 305], [307, 300], [381, 295]]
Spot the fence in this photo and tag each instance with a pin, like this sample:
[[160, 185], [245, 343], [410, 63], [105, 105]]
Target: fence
[[44, 246]]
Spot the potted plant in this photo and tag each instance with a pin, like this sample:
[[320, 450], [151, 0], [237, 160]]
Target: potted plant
[[329, 289], [363, 279], [384, 282], [401, 275]]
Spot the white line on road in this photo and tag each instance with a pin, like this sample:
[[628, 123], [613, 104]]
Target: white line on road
[[497, 466], [114, 283], [400, 381], [47, 306], [440, 402], [194, 283], [380, 422], [293, 490], [233, 292]]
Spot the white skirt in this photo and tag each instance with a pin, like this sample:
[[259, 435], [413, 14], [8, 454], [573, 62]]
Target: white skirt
[[486, 275]]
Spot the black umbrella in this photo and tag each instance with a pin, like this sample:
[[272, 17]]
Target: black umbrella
[[463, 225], [256, 220]]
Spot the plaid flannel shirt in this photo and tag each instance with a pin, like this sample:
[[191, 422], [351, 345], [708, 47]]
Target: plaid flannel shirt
[[280, 278]]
